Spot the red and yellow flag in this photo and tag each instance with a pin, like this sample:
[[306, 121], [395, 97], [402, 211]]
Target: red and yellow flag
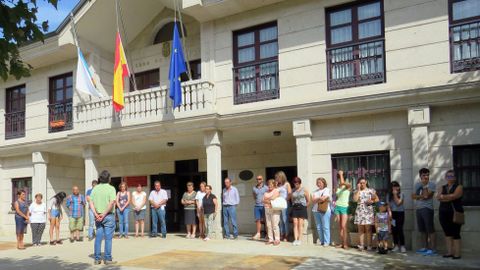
[[120, 71]]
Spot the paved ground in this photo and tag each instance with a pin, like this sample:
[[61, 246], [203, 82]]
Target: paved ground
[[176, 252]]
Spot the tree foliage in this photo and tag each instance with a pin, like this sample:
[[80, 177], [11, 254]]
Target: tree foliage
[[18, 26]]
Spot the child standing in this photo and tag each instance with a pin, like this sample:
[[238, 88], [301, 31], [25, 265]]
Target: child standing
[[383, 227]]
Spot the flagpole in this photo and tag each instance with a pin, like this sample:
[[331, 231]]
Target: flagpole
[[177, 9], [118, 12], [74, 30]]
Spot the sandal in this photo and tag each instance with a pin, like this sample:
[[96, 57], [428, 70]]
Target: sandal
[[269, 243], [53, 243], [59, 242]]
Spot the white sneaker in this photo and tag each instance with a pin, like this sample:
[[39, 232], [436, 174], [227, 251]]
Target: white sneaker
[[206, 239], [395, 249], [299, 243], [294, 243], [403, 249]]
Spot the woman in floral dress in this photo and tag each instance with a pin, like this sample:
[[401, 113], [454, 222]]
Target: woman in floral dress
[[364, 215]]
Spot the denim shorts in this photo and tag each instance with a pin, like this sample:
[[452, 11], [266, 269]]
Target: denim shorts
[[382, 236], [54, 213], [259, 212]]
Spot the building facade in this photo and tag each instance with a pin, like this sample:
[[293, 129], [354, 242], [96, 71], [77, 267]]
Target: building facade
[[376, 88]]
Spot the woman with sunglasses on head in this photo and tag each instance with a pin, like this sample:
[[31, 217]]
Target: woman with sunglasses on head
[[300, 201], [364, 215], [450, 199], [285, 192], [395, 199]]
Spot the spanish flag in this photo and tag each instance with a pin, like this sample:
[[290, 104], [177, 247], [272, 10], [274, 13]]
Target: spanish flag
[[120, 71]]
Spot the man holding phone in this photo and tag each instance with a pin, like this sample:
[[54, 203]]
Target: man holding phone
[[423, 196]]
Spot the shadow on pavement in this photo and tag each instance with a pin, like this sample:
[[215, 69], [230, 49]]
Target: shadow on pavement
[[41, 263]]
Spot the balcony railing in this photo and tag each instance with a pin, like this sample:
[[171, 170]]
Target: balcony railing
[[145, 106], [14, 125], [60, 116], [256, 82], [465, 45], [356, 65]]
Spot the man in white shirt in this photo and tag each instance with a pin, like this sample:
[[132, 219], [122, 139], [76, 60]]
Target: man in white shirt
[[158, 199]]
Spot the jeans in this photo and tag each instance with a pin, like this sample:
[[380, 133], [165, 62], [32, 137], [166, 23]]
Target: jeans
[[322, 220], [158, 215], [230, 214], [272, 218], [123, 221], [284, 222], [91, 223], [105, 230], [397, 230]]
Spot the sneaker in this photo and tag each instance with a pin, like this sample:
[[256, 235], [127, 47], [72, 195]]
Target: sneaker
[[422, 250], [97, 262], [231, 237], [294, 243], [299, 242], [430, 252], [206, 239], [403, 249], [109, 262], [395, 249]]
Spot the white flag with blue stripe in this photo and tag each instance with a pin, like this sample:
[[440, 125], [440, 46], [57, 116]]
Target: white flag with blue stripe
[[84, 81]]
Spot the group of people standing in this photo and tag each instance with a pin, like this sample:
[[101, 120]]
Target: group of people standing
[[201, 207]]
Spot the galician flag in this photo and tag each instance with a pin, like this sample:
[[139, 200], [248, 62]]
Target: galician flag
[[177, 67], [120, 71], [84, 81]]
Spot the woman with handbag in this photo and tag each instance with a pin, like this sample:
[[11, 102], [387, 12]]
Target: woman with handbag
[[450, 214], [272, 215], [300, 201], [321, 211]]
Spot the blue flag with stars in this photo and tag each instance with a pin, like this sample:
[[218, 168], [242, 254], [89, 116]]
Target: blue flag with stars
[[177, 67]]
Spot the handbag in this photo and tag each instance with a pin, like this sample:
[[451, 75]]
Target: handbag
[[458, 217], [279, 203], [322, 207]]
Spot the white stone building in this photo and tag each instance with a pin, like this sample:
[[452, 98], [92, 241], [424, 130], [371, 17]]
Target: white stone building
[[380, 88]]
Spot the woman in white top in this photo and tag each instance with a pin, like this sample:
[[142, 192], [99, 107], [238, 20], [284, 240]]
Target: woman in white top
[[201, 216], [38, 218], [322, 212], [139, 201]]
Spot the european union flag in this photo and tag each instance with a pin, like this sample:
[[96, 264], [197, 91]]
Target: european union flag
[[177, 67]]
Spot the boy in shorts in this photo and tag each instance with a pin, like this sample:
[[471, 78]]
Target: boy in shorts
[[383, 227]]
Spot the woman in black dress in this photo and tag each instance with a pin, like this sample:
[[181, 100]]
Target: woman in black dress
[[450, 199]]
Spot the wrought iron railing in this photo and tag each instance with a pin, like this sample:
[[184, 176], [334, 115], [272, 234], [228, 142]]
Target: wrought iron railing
[[356, 65], [465, 46], [256, 82], [14, 125], [60, 116]]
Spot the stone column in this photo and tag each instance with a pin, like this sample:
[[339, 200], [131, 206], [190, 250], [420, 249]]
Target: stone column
[[40, 180], [90, 156], [418, 120], [213, 143], [303, 135]]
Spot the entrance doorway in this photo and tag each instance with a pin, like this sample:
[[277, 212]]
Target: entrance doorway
[[290, 172]]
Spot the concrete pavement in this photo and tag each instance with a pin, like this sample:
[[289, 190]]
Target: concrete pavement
[[176, 252]]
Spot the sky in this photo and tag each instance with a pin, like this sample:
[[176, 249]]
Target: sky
[[54, 16]]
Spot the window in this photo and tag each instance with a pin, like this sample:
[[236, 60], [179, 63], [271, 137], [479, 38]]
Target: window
[[146, 79], [374, 166], [166, 33], [355, 45], [24, 184], [255, 57], [195, 70], [464, 35], [466, 163], [15, 112], [60, 103]]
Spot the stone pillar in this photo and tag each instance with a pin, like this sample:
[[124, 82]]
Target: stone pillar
[[418, 120], [40, 180], [303, 135], [213, 143], [90, 156]]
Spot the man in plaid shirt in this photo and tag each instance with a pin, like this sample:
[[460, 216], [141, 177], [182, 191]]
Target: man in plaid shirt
[[76, 207]]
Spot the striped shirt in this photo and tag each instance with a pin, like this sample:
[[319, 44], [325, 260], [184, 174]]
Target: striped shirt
[[76, 205]]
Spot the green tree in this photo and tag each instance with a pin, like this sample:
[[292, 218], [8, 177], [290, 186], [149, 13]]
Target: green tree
[[18, 26]]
